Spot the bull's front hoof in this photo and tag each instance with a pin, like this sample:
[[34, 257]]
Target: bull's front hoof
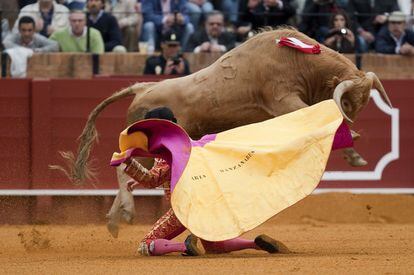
[[113, 229], [128, 216], [355, 135], [356, 161]]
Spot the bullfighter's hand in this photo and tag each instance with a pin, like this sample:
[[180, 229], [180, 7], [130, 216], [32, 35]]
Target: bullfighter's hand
[[131, 185]]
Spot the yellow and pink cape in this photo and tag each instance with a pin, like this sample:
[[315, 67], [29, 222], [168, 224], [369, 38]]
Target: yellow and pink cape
[[228, 183]]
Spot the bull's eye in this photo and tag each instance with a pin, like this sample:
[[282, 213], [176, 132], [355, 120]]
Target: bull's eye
[[346, 105]]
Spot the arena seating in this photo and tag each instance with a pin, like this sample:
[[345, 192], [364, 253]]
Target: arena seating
[[80, 65]]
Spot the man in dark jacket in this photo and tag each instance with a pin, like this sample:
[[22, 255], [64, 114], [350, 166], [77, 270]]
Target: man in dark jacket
[[395, 38], [170, 62], [106, 24], [315, 18], [369, 16], [254, 14], [213, 37]]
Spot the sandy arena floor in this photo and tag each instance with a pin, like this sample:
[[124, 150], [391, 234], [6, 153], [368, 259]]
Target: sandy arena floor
[[317, 247]]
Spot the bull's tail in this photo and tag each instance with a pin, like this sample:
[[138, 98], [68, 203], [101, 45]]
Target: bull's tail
[[78, 168]]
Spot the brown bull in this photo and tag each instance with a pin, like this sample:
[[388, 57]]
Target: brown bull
[[256, 81]]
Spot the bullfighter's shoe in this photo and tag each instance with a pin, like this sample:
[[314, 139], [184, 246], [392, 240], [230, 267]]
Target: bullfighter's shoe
[[191, 246], [145, 247], [270, 245]]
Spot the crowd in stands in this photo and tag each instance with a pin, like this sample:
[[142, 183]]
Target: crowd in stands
[[174, 26]]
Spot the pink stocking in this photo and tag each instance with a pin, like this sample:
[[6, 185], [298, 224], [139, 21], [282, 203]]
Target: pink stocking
[[228, 246], [162, 246]]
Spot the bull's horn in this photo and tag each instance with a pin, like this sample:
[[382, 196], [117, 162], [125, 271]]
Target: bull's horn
[[378, 85], [342, 88]]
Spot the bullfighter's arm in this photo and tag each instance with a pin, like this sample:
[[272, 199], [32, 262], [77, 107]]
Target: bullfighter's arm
[[152, 178]]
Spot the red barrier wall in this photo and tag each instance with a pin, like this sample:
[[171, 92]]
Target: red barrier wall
[[15, 133], [41, 117], [375, 128]]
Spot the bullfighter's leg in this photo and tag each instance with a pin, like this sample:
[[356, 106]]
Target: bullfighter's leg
[[158, 241], [261, 242]]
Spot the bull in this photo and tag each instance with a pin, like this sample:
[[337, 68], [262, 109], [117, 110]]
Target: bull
[[256, 81]]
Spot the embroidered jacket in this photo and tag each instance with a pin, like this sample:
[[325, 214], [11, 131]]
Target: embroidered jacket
[[158, 175]]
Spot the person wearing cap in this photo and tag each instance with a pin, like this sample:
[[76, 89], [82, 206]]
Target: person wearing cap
[[395, 38], [369, 16], [170, 61]]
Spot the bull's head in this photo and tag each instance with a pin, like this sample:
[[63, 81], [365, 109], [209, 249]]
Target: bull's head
[[352, 95]]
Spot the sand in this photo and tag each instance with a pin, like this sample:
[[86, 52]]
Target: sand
[[316, 248]]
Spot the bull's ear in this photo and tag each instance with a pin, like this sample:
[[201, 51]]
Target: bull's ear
[[335, 81]]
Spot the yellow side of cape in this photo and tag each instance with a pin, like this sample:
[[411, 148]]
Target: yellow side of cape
[[249, 174]]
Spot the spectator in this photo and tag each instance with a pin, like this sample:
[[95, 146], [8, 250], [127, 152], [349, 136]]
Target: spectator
[[369, 16], [170, 62], [230, 9], [340, 38], [161, 16], [315, 18], [395, 38], [28, 38], [129, 17], [75, 4], [106, 24], [407, 6], [255, 14], [4, 28], [73, 38], [23, 3], [213, 37], [197, 8], [48, 16]]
